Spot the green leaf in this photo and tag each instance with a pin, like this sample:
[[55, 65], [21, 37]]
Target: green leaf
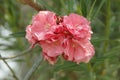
[[63, 4], [70, 66], [91, 10], [83, 7], [111, 54], [70, 5], [19, 60], [99, 7], [18, 34], [45, 4]]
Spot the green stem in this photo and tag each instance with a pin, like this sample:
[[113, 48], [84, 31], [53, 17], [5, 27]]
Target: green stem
[[33, 69], [13, 73], [107, 35], [91, 72], [107, 29], [21, 54]]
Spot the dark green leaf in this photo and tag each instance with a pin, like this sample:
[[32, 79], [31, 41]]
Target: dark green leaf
[[18, 34], [83, 7], [70, 6], [70, 66]]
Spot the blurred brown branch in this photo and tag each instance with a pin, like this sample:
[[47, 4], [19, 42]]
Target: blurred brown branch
[[33, 4]]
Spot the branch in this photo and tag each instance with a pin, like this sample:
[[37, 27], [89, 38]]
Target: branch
[[21, 54], [33, 4], [13, 73], [33, 69]]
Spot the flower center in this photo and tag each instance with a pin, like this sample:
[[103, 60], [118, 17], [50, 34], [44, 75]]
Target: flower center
[[59, 20], [47, 26]]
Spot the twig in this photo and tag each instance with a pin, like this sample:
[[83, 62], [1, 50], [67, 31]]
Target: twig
[[21, 54], [13, 73], [33, 69], [33, 4]]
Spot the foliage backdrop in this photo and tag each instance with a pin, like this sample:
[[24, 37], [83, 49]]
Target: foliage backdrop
[[105, 22]]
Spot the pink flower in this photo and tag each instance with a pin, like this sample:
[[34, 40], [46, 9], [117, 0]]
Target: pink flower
[[41, 26], [68, 36], [78, 51], [78, 26], [42, 31], [77, 46]]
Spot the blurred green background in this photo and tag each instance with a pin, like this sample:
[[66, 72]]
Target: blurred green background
[[104, 15]]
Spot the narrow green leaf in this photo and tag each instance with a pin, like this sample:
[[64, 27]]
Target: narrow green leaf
[[91, 10], [83, 8], [19, 60], [46, 5], [18, 34], [70, 6], [63, 4], [70, 66], [111, 54], [63, 66], [99, 7]]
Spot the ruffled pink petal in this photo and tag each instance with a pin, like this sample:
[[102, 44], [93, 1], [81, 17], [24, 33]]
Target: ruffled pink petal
[[78, 26], [29, 36], [45, 17], [68, 50], [76, 52], [88, 48], [51, 60], [41, 26], [75, 20], [51, 49]]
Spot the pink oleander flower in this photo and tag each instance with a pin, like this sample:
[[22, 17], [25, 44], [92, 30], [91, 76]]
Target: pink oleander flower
[[41, 32], [41, 26], [77, 46], [78, 26], [68, 36]]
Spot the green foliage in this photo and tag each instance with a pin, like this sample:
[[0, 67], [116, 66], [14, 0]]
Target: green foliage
[[104, 16], [18, 34]]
